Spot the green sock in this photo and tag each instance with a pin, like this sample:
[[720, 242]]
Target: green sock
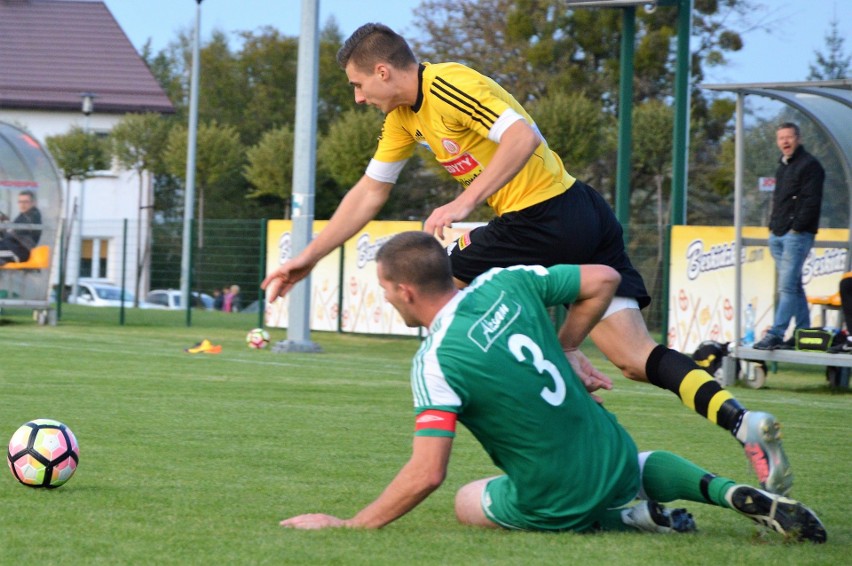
[[667, 476]]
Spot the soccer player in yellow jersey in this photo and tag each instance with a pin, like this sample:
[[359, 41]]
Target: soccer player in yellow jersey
[[486, 140]]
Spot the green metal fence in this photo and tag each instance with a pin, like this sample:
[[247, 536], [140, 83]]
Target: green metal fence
[[231, 252]]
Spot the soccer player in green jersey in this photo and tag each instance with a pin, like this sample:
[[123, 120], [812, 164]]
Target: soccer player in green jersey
[[486, 140], [493, 362]]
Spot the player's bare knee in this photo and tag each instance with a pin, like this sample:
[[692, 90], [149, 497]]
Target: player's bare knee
[[468, 505]]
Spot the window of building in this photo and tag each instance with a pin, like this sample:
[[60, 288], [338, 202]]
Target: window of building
[[94, 248]]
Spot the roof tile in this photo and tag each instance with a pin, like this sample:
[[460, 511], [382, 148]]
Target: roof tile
[[51, 51]]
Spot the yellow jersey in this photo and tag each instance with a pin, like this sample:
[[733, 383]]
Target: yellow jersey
[[459, 116]]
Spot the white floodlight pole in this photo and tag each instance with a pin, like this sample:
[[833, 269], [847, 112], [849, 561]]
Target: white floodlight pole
[[304, 174], [189, 195], [88, 107]]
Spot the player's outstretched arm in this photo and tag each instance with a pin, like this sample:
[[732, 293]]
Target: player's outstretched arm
[[360, 205], [597, 288], [420, 476]]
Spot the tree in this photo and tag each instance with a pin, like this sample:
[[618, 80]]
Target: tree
[[542, 49], [270, 165], [137, 144], [653, 122], [834, 64], [533, 46], [218, 165], [575, 127], [78, 154], [219, 160], [268, 66]]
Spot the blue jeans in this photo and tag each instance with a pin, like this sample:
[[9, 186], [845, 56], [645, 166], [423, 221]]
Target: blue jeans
[[789, 252]]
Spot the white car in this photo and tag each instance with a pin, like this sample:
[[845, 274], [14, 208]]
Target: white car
[[103, 294], [171, 299]]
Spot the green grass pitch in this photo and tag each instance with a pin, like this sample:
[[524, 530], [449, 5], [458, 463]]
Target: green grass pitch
[[194, 459]]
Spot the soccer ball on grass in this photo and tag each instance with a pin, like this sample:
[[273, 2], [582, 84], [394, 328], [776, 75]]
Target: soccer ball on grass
[[257, 338], [43, 453]]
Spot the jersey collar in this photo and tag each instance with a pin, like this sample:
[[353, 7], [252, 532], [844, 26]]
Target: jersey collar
[[419, 101]]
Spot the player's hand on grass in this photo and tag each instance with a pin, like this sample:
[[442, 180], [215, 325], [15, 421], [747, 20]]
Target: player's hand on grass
[[591, 377], [279, 282], [313, 521]]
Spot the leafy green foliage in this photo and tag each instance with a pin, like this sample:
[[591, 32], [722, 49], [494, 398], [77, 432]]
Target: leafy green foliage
[[575, 127], [78, 153], [218, 165], [137, 142], [270, 164], [349, 145]]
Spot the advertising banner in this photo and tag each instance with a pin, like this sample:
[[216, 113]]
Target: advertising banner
[[325, 288], [702, 282], [364, 308]]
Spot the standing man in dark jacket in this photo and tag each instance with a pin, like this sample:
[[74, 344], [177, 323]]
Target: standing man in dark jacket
[[793, 225]]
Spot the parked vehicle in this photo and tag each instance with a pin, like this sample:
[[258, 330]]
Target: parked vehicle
[[94, 293], [171, 299]]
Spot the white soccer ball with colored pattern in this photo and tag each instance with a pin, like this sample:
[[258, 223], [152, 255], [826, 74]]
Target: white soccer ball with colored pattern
[[43, 453], [257, 339]]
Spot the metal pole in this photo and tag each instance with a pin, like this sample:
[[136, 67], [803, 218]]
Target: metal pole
[[123, 272], [60, 288], [680, 163], [189, 196], [261, 273], [625, 119], [739, 162], [88, 107], [304, 175]]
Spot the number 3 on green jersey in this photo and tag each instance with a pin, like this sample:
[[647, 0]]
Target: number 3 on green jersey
[[520, 342]]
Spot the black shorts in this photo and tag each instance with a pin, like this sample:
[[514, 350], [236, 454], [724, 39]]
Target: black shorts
[[576, 227]]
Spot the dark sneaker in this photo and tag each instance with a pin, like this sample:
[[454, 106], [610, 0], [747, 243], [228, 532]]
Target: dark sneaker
[[844, 347], [769, 342], [785, 516], [652, 517], [788, 344], [760, 435]]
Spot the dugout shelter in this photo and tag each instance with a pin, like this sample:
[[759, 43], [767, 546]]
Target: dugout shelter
[[828, 104], [25, 165]]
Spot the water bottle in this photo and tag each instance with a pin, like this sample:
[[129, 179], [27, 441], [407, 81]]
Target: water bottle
[[748, 337]]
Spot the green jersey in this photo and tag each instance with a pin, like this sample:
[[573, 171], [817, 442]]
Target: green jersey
[[492, 358]]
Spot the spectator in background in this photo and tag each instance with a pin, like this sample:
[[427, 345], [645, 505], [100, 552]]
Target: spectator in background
[[218, 299], [793, 224], [231, 302], [15, 245]]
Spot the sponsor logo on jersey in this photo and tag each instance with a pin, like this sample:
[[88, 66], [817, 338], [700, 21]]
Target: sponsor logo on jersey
[[462, 165], [451, 146], [464, 241], [494, 322]]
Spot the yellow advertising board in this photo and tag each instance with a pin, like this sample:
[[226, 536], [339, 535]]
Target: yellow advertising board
[[364, 308], [325, 288], [702, 281]]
